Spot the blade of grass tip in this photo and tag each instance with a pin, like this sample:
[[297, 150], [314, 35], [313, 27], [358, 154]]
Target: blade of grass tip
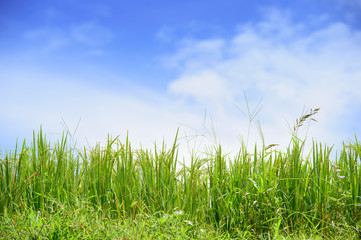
[[357, 147], [255, 159], [33, 186], [323, 185], [59, 151], [317, 179], [352, 154], [19, 174], [42, 156], [4, 185], [25, 157], [357, 162], [84, 188], [216, 180], [95, 159]]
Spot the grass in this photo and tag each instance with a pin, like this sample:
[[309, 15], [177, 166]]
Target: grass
[[115, 192]]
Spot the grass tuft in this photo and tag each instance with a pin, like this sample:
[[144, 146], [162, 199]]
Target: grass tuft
[[116, 192]]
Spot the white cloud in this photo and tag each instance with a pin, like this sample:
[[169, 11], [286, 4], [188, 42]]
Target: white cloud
[[352, 3], [46, 39], [204, 85], [91, 33], [165, 34], [195, 54], [47, 100], [276, 59], [286, 64], [100, 9]]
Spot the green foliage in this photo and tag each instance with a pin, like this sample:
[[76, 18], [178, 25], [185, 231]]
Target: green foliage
[[260, 194]]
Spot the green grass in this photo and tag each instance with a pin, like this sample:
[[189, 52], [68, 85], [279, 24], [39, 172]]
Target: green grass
[[114, 192]]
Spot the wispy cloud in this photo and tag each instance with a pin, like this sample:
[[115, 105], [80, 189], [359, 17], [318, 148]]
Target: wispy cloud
[[285, 63], [48, 100], [46, 40], [279, 61], [100, 9], [91, 33], [353, 3], [194, 54]]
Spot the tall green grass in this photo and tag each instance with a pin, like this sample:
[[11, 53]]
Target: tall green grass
[[258, 191]]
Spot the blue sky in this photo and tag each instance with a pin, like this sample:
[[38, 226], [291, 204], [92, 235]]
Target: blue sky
[[150, 67]]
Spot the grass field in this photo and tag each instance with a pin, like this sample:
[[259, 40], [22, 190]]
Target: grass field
[[115, 192]]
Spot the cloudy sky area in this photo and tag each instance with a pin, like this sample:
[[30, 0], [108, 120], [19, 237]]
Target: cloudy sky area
[[151, 67]]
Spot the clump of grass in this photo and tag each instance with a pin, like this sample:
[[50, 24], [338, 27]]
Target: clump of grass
[[62, 192], [85, 223]]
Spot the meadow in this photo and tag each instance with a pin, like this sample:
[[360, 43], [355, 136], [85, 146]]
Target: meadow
[[115, 192]]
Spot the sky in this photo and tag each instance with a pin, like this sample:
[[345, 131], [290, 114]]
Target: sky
[[218, 70]]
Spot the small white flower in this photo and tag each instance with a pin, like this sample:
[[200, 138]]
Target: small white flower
[[179, 212], [189, 222]]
